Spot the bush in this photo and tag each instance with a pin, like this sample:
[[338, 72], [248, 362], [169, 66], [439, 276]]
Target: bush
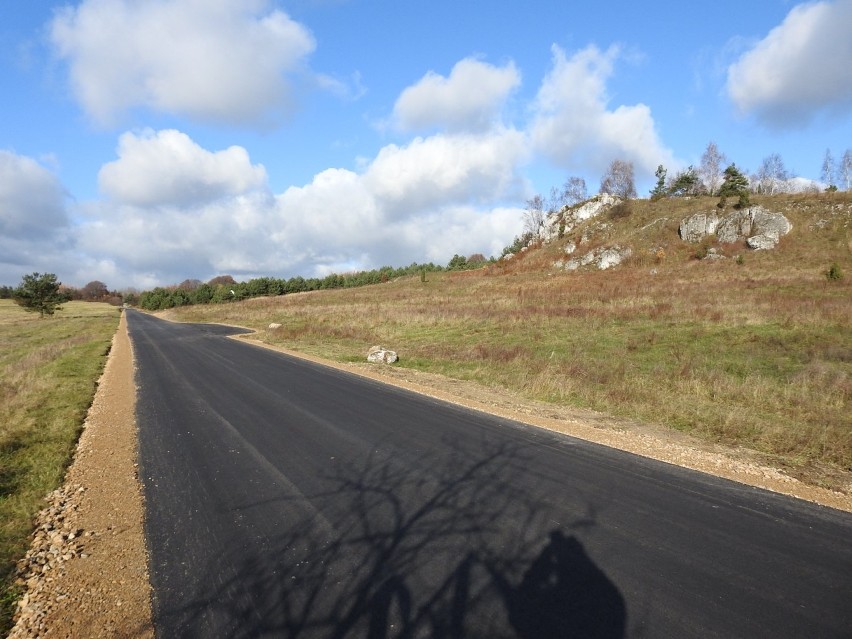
[[701, 251], [834, 274], [620, 211]]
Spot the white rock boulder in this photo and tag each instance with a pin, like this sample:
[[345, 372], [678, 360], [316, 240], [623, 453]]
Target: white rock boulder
[[381, 355]]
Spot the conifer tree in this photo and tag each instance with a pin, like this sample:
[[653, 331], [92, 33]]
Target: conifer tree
[[39, 293], [734, 183]]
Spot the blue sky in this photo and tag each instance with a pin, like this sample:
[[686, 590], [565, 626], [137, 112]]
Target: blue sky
[[144, 142]]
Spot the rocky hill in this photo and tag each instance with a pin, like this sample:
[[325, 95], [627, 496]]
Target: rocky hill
[[606, 231]]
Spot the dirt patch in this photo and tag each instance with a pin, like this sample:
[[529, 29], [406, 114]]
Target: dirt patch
[[86, 573]]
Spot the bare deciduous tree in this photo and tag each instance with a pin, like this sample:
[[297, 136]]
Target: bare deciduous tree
[[710, 170], [827, 174], [846, 169], [619, 180], [556, 201], [772, 175], [534, 215], [94, 290], [574, 190]]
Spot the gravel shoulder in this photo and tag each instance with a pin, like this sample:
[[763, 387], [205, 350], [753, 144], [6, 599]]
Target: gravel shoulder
[[86, 572]]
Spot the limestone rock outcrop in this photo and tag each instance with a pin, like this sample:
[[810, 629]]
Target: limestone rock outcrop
[[761, 229]]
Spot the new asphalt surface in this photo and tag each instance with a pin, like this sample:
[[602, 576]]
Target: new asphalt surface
[[287, 499]]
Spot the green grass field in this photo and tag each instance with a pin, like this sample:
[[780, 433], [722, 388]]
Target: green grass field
[[48, 371]]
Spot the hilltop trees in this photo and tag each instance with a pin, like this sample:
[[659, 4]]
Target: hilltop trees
[[659, 189], [710, 170], [827, 174], [771, 175], [734, 184], [537, 209], [574, 191], [534, 215], [619, 180], [39, 293], [686, 183], [846, 169], [839, 174]]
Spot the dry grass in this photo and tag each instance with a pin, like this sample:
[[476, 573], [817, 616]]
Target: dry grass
[[757, 353], [48, 370]]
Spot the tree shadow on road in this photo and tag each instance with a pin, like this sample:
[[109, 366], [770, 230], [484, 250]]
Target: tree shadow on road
[[405, 548]]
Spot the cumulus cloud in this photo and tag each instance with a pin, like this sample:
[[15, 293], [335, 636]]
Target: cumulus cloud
[[221, 61], [446, 168], [34, 222], [32, 200], [448, 188], [469, 99], [172, 243], [573, 125], [800, 69], [167, 167]]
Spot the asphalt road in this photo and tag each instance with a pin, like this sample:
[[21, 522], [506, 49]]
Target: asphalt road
[[286, 499]]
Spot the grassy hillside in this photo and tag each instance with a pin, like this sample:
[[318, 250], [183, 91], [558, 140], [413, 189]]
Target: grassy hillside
[[48, 370], [752, 350]]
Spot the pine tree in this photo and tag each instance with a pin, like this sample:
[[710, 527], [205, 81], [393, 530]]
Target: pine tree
[[660, 189], [39, 293], [734, 184]]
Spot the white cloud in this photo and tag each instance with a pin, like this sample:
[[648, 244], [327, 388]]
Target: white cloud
[[168, 167], [35, 233], [800, 69], [32, 200], [221, 61], [574, 127], [447, 168], [169, 244], [424, 201], [470, 99]]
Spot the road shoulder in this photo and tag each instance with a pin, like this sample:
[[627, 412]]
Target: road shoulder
[[86, 573]]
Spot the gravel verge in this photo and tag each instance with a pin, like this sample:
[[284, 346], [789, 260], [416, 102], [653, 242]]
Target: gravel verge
[[86, 572]]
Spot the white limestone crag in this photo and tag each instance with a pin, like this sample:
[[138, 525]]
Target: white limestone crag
[[761, 229]]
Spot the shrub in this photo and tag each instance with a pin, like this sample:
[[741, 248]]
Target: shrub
[[701, 251], [620, 211], [834, 273]]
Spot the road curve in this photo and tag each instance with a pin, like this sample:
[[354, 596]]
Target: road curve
[[287, 499]]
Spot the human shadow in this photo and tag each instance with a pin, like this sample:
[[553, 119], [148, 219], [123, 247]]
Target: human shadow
[[423, 547], [564, 594]]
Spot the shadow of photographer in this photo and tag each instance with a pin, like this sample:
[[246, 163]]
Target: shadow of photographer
[[415, 548]]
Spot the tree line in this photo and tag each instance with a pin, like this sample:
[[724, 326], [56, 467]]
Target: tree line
[[43, 293], [226, 289]]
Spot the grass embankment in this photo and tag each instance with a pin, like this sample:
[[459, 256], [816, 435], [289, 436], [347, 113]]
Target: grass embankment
[[754, 352], [48, 371]]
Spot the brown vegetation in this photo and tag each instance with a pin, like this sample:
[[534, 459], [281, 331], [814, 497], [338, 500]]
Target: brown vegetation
[[753, 350]]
